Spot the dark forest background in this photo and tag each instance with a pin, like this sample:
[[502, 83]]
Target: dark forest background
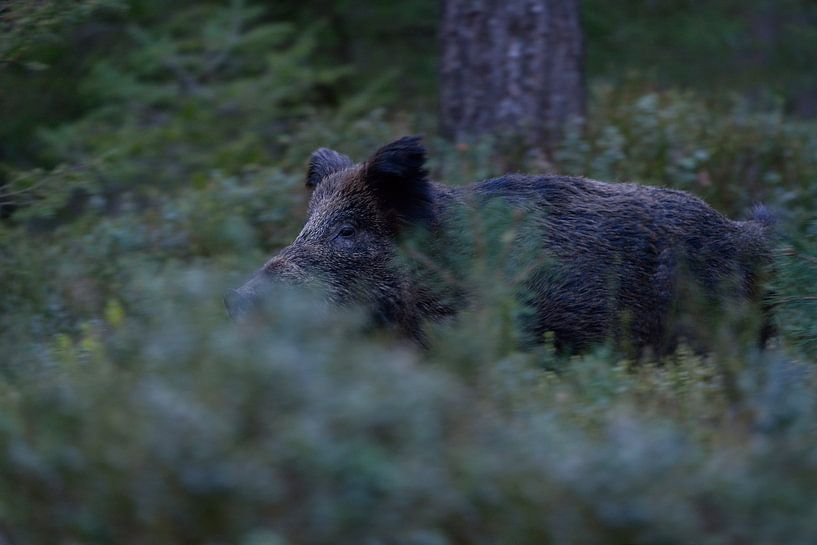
[[153, 153]]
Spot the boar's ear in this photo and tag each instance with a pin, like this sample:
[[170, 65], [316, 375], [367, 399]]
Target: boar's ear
[[396, 174], [323, 163]]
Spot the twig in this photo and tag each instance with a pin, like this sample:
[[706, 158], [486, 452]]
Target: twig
[[6, 194], [796, 299]]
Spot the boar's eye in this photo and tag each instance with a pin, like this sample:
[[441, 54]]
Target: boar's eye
[[345, 234], [347, 231]]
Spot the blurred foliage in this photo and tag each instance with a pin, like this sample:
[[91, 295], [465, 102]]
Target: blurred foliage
[[152, 155], [164, 423], [761, 48], [44, 46], [30, 27], [797, 269], [733, 156]]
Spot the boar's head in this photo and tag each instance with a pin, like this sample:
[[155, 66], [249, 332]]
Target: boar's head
[[348, 244]]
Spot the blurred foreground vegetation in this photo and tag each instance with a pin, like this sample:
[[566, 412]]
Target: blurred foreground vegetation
[[152, 156]]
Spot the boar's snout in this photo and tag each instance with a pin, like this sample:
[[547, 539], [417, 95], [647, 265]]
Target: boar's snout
[[250, 297], [239, 303]]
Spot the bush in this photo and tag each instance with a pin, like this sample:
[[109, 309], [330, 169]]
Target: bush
[[168, 424]]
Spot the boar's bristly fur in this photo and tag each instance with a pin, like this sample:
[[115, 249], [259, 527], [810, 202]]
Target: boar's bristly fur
[[610, 260]]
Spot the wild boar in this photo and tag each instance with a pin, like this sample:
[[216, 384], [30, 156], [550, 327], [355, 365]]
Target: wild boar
[[605, 261]]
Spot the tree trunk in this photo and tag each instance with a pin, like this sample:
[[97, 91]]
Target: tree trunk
[[511, 68]]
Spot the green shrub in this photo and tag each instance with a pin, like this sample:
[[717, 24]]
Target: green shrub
[[796, 301], [168, 424], [733, 158]]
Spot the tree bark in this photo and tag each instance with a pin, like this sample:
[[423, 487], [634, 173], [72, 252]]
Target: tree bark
[[511, 68]]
